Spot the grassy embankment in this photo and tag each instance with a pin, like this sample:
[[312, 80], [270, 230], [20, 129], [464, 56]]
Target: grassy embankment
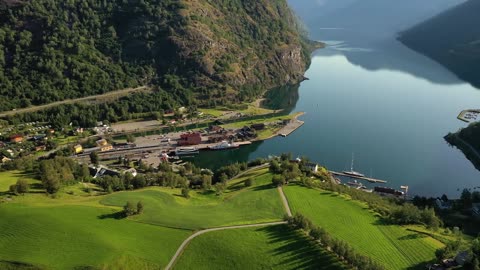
[[256, 204], [393, 246], [275, 247], [79, 230]]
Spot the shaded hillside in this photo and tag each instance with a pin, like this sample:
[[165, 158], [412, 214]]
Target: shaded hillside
[[468, 141], [52, 50], [383, 17], [452, 39]]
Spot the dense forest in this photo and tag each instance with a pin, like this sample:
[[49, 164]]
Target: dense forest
[[452, 39], [231, 50]]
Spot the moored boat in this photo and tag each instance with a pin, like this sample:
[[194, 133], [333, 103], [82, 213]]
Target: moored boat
[[223, 145], [186, 151]]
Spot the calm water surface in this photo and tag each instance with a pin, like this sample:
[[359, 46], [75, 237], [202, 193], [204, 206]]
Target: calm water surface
[[385, 103]]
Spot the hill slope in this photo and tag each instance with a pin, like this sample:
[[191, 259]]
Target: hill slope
[[52, 50], [452, 39]]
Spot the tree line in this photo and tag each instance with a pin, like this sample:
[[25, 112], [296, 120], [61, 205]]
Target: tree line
[[341, 248]]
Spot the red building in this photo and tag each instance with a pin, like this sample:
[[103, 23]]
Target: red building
[[16, 138], [190, 139]]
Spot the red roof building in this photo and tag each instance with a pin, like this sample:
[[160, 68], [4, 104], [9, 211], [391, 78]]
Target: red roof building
[[190, 139], [16, 138]]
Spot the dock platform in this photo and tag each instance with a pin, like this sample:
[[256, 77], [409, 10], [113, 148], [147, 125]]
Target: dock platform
[[371, 180]]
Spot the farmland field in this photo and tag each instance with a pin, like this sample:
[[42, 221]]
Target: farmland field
[[65, 237], [275, 247], [256, 204], [391, 245]]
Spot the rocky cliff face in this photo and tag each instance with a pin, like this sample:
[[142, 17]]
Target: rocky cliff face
[[240, 47]]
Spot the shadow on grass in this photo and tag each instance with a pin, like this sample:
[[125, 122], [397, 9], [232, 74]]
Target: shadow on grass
[[11, 265], [412, 236], [116, 215], [263, 187], [302, 252]]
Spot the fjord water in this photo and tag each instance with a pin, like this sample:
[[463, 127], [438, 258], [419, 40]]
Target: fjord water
[[390, 106]]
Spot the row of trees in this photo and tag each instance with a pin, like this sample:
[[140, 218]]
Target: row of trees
[[341, 248], [393, 210]]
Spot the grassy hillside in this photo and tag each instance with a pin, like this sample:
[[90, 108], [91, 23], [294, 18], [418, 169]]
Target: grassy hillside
[[53, 50], [276, 247], [392, 246], [259, 203], [452, 39], [65, 237]]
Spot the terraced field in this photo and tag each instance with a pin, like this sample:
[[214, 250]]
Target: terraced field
[[392, 246], [276, 247], [256, 204]]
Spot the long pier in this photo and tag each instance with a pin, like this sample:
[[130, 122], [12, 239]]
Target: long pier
[[371, 180]]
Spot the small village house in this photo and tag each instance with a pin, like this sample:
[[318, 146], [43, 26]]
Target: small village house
[[78, 149], [16, 138]]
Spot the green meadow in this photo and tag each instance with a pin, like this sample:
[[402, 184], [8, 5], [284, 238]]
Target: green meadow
[[238, 205], [275, 247], [393, 246]]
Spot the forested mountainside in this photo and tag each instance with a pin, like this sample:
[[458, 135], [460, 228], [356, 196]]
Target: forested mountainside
[[196, 50], [452, 39], [468, 141]]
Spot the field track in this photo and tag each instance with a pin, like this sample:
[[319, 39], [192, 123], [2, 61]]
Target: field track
[[106, 96], [189, 239]]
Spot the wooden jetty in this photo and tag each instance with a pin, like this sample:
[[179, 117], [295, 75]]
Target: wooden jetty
[[371, 180]]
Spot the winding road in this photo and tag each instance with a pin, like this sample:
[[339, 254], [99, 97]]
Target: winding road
[[191, 237]]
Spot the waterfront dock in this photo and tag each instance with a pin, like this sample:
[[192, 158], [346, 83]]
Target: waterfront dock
[[290, 127], [371, 180]]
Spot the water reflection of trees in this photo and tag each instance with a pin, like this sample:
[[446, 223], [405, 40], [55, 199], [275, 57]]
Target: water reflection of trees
[[284, 97]]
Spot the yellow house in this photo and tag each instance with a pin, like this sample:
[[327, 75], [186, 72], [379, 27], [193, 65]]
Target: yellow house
[[78, 149], [106, 147]]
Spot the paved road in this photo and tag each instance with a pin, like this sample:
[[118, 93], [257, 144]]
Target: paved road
[[189, 239], [285, 201], [108, 95]]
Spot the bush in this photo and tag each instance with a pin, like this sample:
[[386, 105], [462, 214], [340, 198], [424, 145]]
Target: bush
[[249, 182]]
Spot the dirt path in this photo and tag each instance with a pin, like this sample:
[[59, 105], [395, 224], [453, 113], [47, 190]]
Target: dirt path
[[285, 201], [108, 95], [191, 237]]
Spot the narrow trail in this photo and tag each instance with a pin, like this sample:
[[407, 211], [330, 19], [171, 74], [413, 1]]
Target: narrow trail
[[285, 201], [191, 237]]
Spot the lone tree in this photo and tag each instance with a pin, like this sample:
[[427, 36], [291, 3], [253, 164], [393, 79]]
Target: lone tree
[[185, 192], [249, 182], [139, 207], [94, 158], [129, 209], [130, 138], [278, 180], [22, 186]]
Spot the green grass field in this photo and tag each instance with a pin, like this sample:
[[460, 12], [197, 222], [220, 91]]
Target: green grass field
[[275, 247], [65, 237], [392, 246], [166, 207], [9, 178]]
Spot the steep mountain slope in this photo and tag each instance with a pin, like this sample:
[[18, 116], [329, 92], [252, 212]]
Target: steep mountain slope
[[217, 50], [383, 16], [452, 39]]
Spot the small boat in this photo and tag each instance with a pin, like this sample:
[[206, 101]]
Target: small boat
[[181, 151], [223, 145], [352, 172], [355, 184]]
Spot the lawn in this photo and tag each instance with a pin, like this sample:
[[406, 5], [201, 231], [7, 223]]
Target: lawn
[[239, 205], [65, 237], [274, 247], [9, 178], [393, 246]]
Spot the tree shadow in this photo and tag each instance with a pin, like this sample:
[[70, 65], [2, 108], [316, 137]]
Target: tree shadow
[[116, 215], [263, 187], [303, 253], [412, 236]]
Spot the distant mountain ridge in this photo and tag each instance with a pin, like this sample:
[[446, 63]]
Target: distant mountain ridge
[[452, 39]]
